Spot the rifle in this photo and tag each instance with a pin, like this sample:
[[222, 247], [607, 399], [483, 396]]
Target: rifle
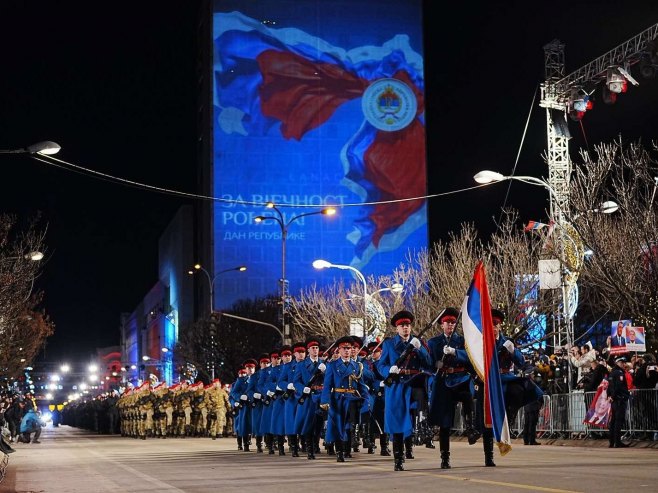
[[315, 375], [396, 376]]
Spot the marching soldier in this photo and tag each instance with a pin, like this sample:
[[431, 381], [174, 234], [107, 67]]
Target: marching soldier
[[272, 395], [407, 384], [256, 392], [342, 397], [310, 377], [452, 384], [199, 410], [377, 390], [360, 426], [145, 409], [282, 391], [238, 406]]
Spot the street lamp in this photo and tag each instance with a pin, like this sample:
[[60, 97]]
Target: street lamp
[[211, 288], [47, 147], [284, 225], [212, 279], [323, 264]]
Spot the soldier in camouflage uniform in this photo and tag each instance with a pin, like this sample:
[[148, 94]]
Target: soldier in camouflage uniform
[[159, 416], [217, 404], [199, 409], [145, 409], [184, 410]]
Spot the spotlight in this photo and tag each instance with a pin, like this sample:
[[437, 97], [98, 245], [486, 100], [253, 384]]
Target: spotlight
[[579, 102]]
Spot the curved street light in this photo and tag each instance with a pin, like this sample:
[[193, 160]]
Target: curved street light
[[46, 148], [212, 279], [284, 225], [323, 264]]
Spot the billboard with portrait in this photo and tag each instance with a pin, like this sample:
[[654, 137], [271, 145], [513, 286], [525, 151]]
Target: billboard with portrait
[[315, 103]]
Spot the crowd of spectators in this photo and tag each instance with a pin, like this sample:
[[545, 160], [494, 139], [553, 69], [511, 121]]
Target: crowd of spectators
[[587, 367]]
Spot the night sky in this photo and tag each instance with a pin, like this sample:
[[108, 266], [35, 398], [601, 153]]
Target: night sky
[[115, 85]]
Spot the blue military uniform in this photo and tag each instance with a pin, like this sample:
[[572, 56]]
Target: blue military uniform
[[309, 377], [406, 389], [343, 393], [452, 384], [242, 422]]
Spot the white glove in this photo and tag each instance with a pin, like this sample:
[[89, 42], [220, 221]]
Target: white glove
[[509, 345], [257, 395], [382, 384], [322, 367], [243, 397], [270, 393], [236, 404], [394, 370], [291, 386], [279, 388], [307, 390], [415, 342], [449, 350]]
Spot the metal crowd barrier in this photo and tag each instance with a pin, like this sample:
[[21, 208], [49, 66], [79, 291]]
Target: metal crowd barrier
[[562, 416]]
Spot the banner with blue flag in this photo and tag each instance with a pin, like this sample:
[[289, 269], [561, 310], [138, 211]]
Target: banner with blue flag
[[481, 347]]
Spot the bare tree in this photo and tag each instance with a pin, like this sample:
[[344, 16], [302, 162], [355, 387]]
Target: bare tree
[[23, 327], [621, 277]]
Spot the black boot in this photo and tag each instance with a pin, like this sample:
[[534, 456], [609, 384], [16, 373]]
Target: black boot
[[398, 452], [246, 441], [471, 432], [383, 444], [331, 450], [354, 438], [294, 445], [282, 445], [259, 445], [310, 454], [302, 443], [339, 451], [444, 446], [269, 443], [408, 446], [239, 443], [347, 449], [487, 441]]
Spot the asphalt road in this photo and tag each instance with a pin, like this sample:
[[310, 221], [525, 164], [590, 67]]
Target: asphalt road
[[70, 460]]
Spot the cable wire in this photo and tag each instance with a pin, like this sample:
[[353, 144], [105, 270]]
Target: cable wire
[[59, 163]]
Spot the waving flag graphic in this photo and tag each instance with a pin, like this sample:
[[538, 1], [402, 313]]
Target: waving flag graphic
[[269, 80], [481, 348]]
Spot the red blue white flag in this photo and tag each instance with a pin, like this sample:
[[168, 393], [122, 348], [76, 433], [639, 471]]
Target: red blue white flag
[[481, 347]]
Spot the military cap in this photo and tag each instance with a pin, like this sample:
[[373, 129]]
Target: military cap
[[265, 357], [250, 362], [450, 314], [299, 347], [402, 316], [357, 341], [274, 353], [312, 341], [345, 341], [497, 316], [621, 359], [364, 351], [285, 349]]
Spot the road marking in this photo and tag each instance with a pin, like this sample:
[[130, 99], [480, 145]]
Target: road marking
[[482, 481]]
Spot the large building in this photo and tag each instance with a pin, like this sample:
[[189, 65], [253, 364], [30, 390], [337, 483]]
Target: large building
[[306, 104]]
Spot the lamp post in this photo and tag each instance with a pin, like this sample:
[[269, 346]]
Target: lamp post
[[487, 177], [211, 288], [212, 279], [323, 264], [284, 224]]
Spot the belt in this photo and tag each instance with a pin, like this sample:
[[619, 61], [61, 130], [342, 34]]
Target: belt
[[345, 391], [453, 369], [317, 387], [409, 372]]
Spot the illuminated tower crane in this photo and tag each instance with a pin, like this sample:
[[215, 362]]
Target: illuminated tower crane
[[569, 95]]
